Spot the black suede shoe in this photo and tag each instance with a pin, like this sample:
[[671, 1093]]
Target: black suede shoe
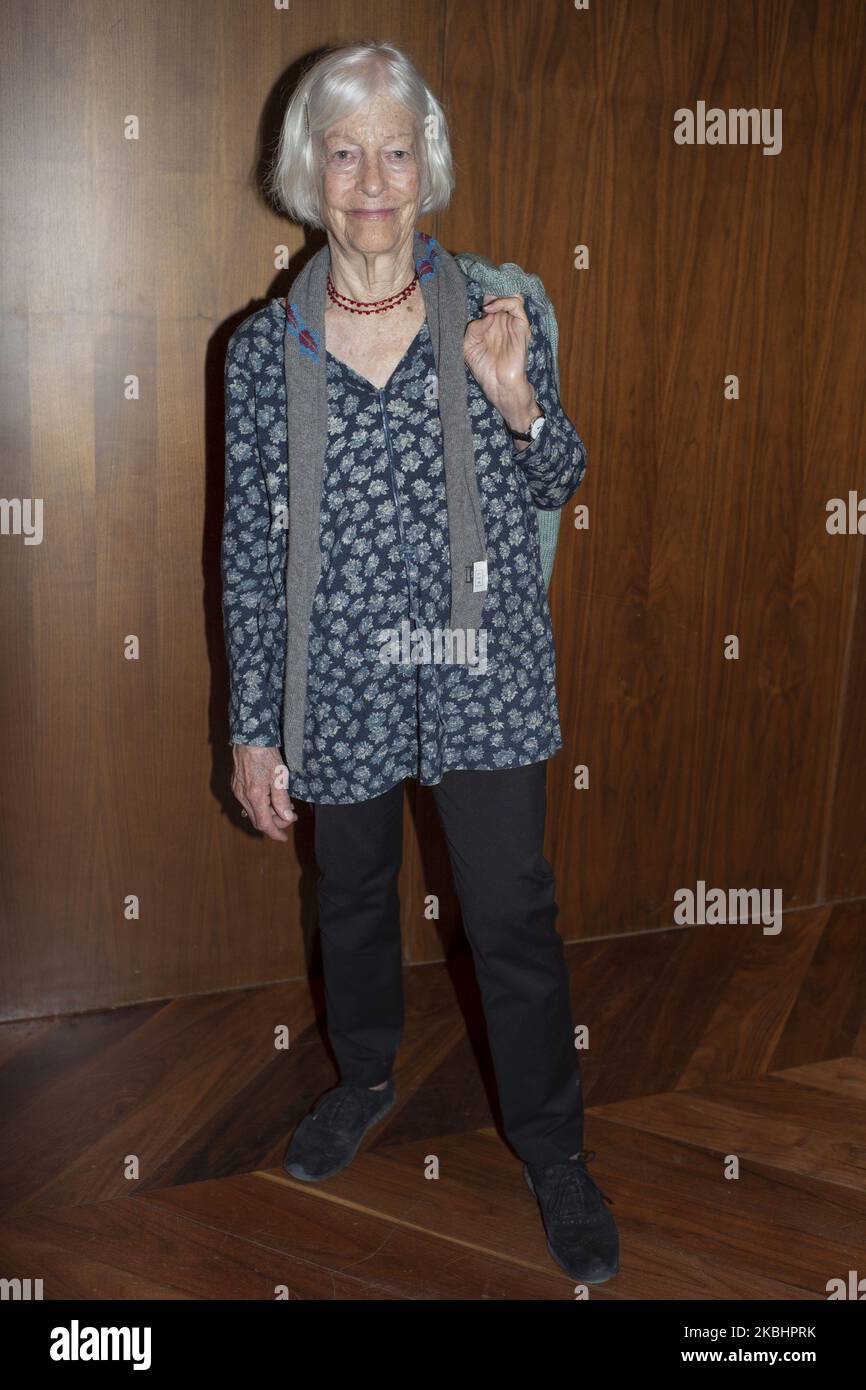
[[328, 1138], [581, 1233]]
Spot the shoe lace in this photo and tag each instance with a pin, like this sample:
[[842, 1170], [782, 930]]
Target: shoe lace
[[576, 1192]]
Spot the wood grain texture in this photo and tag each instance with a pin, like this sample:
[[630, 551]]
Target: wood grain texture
[[706, 516], [139, 257], [698, 1050]]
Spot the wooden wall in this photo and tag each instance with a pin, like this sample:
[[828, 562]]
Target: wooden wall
[[706, 516]]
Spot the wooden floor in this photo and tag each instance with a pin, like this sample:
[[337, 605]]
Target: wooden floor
[[706, 1042]]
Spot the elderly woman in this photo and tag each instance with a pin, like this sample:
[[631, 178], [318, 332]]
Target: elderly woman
[[390, 429]]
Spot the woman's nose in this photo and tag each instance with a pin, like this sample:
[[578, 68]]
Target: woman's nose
[[370, 175]]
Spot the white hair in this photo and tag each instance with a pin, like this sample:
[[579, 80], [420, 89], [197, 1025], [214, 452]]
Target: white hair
[[334, 87]]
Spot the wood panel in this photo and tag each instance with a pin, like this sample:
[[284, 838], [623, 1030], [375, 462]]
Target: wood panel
[[706, 516], [138, 257]]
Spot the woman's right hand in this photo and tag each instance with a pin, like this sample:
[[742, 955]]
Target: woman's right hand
[[254, 783]]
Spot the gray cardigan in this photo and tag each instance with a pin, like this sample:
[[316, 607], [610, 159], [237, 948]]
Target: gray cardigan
[[444, 287]]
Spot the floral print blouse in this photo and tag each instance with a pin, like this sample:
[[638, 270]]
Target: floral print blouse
[[371, 722]]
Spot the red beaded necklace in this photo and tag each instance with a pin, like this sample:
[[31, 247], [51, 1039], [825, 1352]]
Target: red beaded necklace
[[372, 306]]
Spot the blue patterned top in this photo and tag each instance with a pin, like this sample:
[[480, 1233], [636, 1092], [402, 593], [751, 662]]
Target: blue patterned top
[[371, 722]]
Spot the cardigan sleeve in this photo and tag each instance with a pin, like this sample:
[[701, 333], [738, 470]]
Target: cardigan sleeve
[[555, 463], [252, 558]]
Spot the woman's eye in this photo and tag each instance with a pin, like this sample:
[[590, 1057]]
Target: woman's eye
[[348, 156]]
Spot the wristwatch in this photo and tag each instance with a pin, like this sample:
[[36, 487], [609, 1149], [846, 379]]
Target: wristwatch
[[535, 427]]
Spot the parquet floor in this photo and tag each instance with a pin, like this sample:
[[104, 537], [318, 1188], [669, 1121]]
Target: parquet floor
[[707, 1045]]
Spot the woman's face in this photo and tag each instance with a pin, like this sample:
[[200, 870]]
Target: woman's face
[[371, 181]]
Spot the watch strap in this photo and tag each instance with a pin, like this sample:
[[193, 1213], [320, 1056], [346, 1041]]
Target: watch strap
[[521, 434]]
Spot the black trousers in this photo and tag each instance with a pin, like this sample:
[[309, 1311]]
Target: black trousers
[[494, 827]]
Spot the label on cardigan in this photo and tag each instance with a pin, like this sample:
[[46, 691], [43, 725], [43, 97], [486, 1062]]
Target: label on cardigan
[[478, 575]]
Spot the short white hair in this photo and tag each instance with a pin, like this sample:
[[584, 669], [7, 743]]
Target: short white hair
[[333, 88]]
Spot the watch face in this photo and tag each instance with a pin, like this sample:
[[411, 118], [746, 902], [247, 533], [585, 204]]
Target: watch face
[[536, 427]]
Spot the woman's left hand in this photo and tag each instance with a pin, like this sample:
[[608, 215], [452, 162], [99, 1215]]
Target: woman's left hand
[[495, 348]]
